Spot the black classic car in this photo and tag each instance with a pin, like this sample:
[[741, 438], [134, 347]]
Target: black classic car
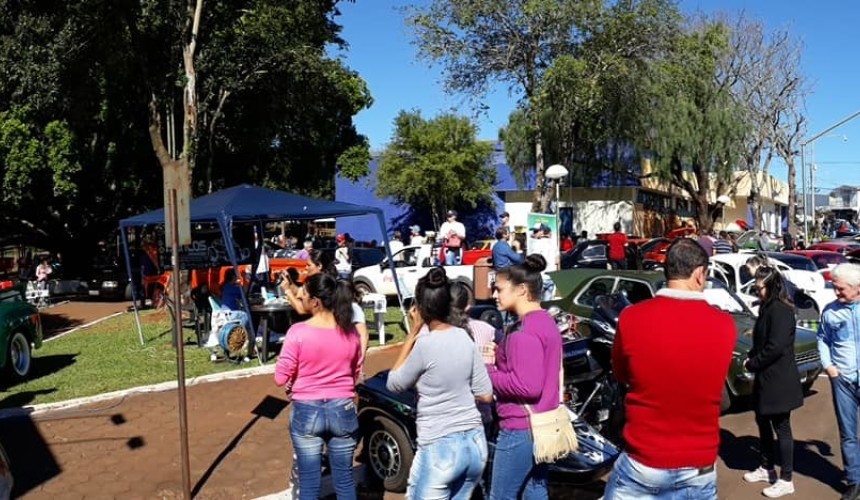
[[594, 254], [387, 421]]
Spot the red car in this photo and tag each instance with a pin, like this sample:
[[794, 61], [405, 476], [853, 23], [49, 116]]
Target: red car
[[823, 259], [841, 246]]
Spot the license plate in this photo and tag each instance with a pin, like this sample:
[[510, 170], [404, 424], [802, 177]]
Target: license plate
[[94, 292]]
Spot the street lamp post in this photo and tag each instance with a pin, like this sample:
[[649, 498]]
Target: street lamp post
[[803, 165], [556, 173]]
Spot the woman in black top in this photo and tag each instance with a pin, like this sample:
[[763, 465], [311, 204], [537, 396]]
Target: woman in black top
[[776, 389]]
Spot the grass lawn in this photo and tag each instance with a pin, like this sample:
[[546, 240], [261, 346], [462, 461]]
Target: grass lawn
[[108, 357]]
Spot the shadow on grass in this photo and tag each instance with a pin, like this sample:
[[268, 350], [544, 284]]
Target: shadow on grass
[[270, 407], [741, 453], [31, 460], [42, 366], [54, 324]]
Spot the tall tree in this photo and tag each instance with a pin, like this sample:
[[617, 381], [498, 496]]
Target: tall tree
[[275, 102], [436, 165], [762, 70], [694, 129], [480, 42], [584, 99]]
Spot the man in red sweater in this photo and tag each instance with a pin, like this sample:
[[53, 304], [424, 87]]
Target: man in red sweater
[[673, 353], [617, 248]]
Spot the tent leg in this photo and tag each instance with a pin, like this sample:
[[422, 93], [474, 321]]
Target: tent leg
[[131, 280]]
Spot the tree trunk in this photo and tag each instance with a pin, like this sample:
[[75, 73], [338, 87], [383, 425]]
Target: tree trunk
[[754, 203], [703, 212], [539, 197], [792, 197]]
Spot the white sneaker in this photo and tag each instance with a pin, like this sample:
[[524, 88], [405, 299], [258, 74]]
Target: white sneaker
[[779, 489], [761, 474]]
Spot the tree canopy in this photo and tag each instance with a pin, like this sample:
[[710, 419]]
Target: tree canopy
[[276, 105], [436, 165]]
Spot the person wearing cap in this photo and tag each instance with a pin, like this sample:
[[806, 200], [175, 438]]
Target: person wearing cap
[[415, 238], [343, 260], [543, 244], [453, 235]]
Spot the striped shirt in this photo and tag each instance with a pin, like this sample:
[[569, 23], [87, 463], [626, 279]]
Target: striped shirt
[[722, 246]]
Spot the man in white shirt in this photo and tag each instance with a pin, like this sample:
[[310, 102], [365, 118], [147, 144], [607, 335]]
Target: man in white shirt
[[396, 245], [415, 238], [454, 237]]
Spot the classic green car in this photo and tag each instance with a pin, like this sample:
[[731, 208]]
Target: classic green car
[[20, 333], [578, 290]]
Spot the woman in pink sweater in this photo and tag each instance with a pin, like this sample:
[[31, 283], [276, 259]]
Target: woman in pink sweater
[[319, 364]]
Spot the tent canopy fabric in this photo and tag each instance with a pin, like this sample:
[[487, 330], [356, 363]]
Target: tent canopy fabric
[[253, 203]]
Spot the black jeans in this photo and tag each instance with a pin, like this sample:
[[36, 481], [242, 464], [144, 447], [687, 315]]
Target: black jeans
[[781, 423]]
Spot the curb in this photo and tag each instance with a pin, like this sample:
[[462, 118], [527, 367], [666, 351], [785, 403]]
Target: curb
[[40, 409]]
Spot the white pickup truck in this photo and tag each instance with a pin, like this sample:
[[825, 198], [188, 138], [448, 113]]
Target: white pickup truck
[[411, 263]]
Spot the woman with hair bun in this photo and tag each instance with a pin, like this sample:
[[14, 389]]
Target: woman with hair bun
[[319, 365], [442, 364], [526, 372]]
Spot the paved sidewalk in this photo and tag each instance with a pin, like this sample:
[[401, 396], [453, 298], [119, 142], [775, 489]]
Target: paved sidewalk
[[129, 447]]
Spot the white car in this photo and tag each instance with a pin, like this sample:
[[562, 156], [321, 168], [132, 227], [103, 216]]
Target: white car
[[730, 269], [411, 263]]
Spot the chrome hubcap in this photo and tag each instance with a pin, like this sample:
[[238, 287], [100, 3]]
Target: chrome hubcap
[[384, 454]]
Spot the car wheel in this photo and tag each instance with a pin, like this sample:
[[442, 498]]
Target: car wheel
[[362, 288], [725, 400], [388, 454], [19, 356]]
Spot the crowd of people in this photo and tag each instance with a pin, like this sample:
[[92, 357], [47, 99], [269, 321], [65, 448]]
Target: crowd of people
[[461, 368], [457, 365]]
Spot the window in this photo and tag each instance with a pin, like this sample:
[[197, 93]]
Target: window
[[598, 287], [594, 252], [636, 291]]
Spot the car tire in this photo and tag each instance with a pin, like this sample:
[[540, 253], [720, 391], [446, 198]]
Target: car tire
[[388, 454], [362, 288], [725, 400], [19, 356]]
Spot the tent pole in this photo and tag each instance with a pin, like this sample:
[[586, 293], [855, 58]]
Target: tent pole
[[390, 257], [226, 225], [131, 280]]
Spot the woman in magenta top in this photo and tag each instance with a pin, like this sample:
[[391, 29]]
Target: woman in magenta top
[[526, 372], [319, 364]]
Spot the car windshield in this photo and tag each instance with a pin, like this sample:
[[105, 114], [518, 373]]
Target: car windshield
[[827, 260]]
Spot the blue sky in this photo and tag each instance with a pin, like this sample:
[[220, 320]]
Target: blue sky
[[381, 50]]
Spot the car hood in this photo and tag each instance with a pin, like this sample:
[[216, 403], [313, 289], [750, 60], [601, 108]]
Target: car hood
[[804, 338]]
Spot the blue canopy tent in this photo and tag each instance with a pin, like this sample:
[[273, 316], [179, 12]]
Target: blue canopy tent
[[246, 203]]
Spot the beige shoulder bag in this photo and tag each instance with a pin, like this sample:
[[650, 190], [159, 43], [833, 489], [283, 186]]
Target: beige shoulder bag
[[552, 431]]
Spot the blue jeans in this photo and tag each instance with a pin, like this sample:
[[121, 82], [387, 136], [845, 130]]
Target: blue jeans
[[633, 480], [452, 256], [332, 422], [846, 400], [515, 474], [448, 467]]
